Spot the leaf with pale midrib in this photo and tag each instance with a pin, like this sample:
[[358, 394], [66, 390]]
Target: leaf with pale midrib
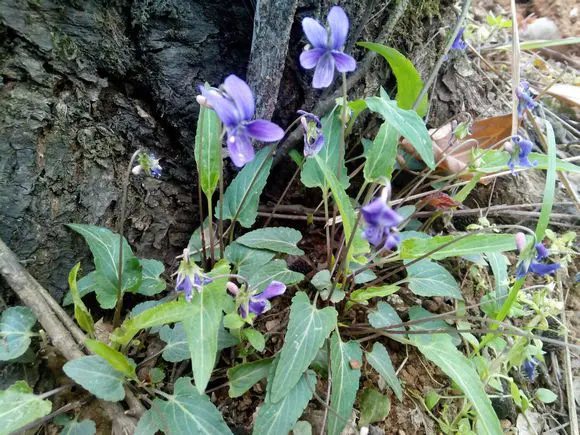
[[345, 380], [277, 239], [379, 359], [243, 376], [275, 418], [97, 376], [426, 278], [307, 329], [19, 406]]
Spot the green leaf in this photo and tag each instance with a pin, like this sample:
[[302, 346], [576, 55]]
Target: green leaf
[[249, 183], [381, 157], [550, 187], [312, 175], [499, 267], [115, 358], [244, 376], [431, 399], [541, 43], [374, 407], [82, 314], [177, 349], [379, 359], [87, 284], [168, 312], [85, 427], [185, 412], [426, 278], [277, 239], [208, 150], [408, 124], [149, 423], [307, 329], [384, 316], [156, 375], [19, 406], [363, 295], [274, 271], [419, 313], [275, 418], [359, 245], [440, 350], [202, 332], [302, 427], [97, 376], [247, 261], [104, 245], [472, 244], [15, 326], [255, 338], [409, 83], [345, 380], [151, 284], [546, 396]]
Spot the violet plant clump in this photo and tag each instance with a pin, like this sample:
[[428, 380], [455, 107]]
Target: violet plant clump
[[374, 254], [326, 54]]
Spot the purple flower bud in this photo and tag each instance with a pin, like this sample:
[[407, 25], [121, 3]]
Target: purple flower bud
[[313, 137], [542, 251], [525, 99], [327, 52], [521, 155], [235, 107], [520, 241], [149, 164], [459, 43], [190, 277], [381, 221], [529, 368]]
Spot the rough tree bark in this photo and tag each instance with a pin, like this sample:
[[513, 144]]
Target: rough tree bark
[[85, 83]]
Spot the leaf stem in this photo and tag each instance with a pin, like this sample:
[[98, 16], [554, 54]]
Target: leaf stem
[[120, 229]]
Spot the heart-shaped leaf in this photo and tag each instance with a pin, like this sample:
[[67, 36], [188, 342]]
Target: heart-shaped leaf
[[15, 326]]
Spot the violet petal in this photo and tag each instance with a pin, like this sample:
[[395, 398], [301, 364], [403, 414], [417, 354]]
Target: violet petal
[[242, 95], [257, 306], [264, 131], [276, 288], [544, 269], [344, 62], [240, 149], [338, 22], [324, 72], [542, 251], [309, 58], [315, 33], [225, 109]]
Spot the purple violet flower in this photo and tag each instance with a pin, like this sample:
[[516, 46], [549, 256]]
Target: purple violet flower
[[529, 368], [313, 137], [256, 303], [525, 99], [380, 221], [190, 277], [534, 265], [459, 43], [327, 52], [520, 156], [234, 105], [149, 164]]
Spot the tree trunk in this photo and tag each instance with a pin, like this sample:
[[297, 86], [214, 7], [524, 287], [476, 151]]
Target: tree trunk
[[86, 83]]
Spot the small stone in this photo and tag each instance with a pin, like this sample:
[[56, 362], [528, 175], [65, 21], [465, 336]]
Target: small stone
[[506, 424]]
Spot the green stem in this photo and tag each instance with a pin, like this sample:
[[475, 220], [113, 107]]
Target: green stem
[[221, 221], [325, 194], [210, 232], [120, 229]]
